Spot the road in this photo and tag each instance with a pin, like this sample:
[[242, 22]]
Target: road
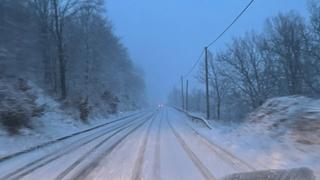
[[154, 144]]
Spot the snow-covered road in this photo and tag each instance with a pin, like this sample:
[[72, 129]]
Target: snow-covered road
[[157, 144]]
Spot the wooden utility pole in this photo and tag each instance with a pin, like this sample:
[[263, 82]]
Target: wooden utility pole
[[207, 82], [187, 96], [182, 93]]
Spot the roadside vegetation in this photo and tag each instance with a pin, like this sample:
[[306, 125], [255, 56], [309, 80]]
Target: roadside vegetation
[[68, 49], [282, 60]]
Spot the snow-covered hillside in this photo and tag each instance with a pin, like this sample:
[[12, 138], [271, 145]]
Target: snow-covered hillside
[[295, 117], [55, 121], [283, 133]]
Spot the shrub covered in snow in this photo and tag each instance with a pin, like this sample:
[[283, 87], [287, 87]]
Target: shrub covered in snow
[[17, 105], [84, 109], [296, 116], [113, 101]]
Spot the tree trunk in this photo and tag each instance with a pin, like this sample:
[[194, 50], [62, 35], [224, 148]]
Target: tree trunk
[[59, 35], [62, 71], [218, 106]]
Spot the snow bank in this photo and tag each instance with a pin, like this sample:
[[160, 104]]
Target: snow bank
[[17, 105], [296, 117], [293, 174], [55, 122], [283, 133]]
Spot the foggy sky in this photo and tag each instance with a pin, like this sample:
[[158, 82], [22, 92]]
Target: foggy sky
[[165, 37]]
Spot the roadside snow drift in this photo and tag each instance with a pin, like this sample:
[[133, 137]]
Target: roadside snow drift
[[24, 100], [283, 133], [293, 174], [296, 117]]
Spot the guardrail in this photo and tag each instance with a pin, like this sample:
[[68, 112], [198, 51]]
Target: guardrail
[[194, 117]]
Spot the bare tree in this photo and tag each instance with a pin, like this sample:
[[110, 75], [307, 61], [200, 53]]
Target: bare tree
[[68, 46], [285, 38], [245, 68], [283, 60], [312, 46], [219, 83], [43, 15], [62, 10]]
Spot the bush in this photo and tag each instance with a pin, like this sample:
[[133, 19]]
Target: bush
[[15, 118], [17, 105], [112, 101], [84, 109]]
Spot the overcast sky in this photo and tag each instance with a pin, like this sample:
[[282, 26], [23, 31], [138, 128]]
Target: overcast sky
[[165, 37]]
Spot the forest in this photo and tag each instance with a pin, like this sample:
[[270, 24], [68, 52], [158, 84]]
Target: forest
[[68, 49], [282, 60]]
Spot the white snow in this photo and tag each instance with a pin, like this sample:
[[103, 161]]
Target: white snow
[[283, 133], [174, 147], [53, 124]]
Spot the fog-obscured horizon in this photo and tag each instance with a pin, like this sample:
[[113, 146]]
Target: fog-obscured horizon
[[165, 37]]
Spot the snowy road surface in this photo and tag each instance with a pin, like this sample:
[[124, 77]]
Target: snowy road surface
[[156, 144]]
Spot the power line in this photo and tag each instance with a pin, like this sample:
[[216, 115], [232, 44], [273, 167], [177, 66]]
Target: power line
[[228, 27], [194, 65], [218, 37]]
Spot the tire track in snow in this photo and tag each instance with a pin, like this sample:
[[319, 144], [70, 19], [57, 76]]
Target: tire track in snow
[[136, 175], [197, 162], [55, 141], [157, 155], [46, 159], [88, 168], [223, 153]]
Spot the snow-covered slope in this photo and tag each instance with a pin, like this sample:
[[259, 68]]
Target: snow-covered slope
[[56, 121], [283, 133], [295, 117]]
